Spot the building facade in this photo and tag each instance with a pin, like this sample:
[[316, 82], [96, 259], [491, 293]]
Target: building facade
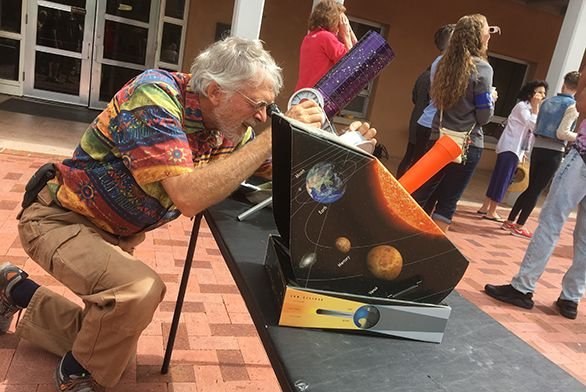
[[82, 51]]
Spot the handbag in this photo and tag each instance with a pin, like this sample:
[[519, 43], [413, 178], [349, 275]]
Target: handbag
[[520, 180], [462, 139]]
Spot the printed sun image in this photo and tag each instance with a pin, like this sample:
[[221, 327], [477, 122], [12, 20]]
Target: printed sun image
[[355, 229]]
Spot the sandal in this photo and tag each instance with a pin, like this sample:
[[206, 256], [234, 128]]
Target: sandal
[[10, 275]]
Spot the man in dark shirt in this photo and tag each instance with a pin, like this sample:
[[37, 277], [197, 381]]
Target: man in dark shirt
[[418, 134]]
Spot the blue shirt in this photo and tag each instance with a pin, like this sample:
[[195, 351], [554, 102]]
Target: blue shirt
[[426, 118], [551, 113]]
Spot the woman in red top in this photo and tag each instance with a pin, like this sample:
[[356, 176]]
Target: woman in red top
[[329, 38]]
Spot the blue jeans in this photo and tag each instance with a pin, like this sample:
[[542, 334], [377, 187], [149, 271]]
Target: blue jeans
[[439, 196], [567, 191]]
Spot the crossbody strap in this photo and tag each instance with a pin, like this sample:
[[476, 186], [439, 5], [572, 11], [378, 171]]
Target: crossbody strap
[[442, 119]]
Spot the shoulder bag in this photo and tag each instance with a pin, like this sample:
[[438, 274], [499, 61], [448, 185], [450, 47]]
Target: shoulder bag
[[461, 138]]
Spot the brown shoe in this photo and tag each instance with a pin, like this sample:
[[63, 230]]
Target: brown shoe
[[75, 382]]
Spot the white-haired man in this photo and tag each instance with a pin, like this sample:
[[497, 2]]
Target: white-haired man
[[167, 144]]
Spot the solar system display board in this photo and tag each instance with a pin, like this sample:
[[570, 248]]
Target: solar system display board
[[305, 307], [349, 224]]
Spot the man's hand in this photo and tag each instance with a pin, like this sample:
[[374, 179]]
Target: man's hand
[[366, 132], [307, 112]]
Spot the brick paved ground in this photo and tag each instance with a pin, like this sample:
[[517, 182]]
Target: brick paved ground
[[217, 347], [495, 257]]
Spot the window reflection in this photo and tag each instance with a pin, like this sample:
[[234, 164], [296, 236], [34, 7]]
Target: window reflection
[[10, 12], [60, 29], [174, 8], [132, 9], [358, 107], [113, 78], [358, 104], [123, 42], [9, 58], [508, 82], [170, 43], [56, 73], [73, 3]]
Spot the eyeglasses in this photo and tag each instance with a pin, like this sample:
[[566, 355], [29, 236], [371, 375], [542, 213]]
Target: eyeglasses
[[494, 30], [260, 105]]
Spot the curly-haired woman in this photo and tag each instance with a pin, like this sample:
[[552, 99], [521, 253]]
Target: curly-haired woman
[[329, 38], [513, 145], [462, 92]]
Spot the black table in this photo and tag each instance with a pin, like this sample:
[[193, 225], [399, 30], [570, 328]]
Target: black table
[[477, 353]]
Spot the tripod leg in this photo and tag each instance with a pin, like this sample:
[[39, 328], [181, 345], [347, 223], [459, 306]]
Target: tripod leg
[[181, 293]]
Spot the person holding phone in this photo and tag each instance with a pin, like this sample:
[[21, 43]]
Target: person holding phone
[[513, 145], [329, 38]]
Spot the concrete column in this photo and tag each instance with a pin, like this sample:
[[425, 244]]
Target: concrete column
[[247, 18], [570, 47]]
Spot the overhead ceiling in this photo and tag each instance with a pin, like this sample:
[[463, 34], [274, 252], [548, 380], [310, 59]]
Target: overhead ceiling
[[557, 7]]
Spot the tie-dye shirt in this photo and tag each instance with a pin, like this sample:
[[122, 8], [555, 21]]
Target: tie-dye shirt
[[151, 130], [580, 143]]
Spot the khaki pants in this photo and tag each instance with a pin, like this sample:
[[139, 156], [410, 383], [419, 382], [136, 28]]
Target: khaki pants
[[120, 293]]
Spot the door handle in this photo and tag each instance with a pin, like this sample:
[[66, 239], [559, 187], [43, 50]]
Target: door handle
[[78, 10]]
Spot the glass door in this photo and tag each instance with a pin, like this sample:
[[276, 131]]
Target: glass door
[[125, 45], [172, 26], [59, 50], [11, 46]]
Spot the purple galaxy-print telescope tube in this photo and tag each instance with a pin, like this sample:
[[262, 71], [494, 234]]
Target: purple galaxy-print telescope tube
[[353, 72]]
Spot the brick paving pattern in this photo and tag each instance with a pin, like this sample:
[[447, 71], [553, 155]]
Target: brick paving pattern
[[217, 347], [495, 256]]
